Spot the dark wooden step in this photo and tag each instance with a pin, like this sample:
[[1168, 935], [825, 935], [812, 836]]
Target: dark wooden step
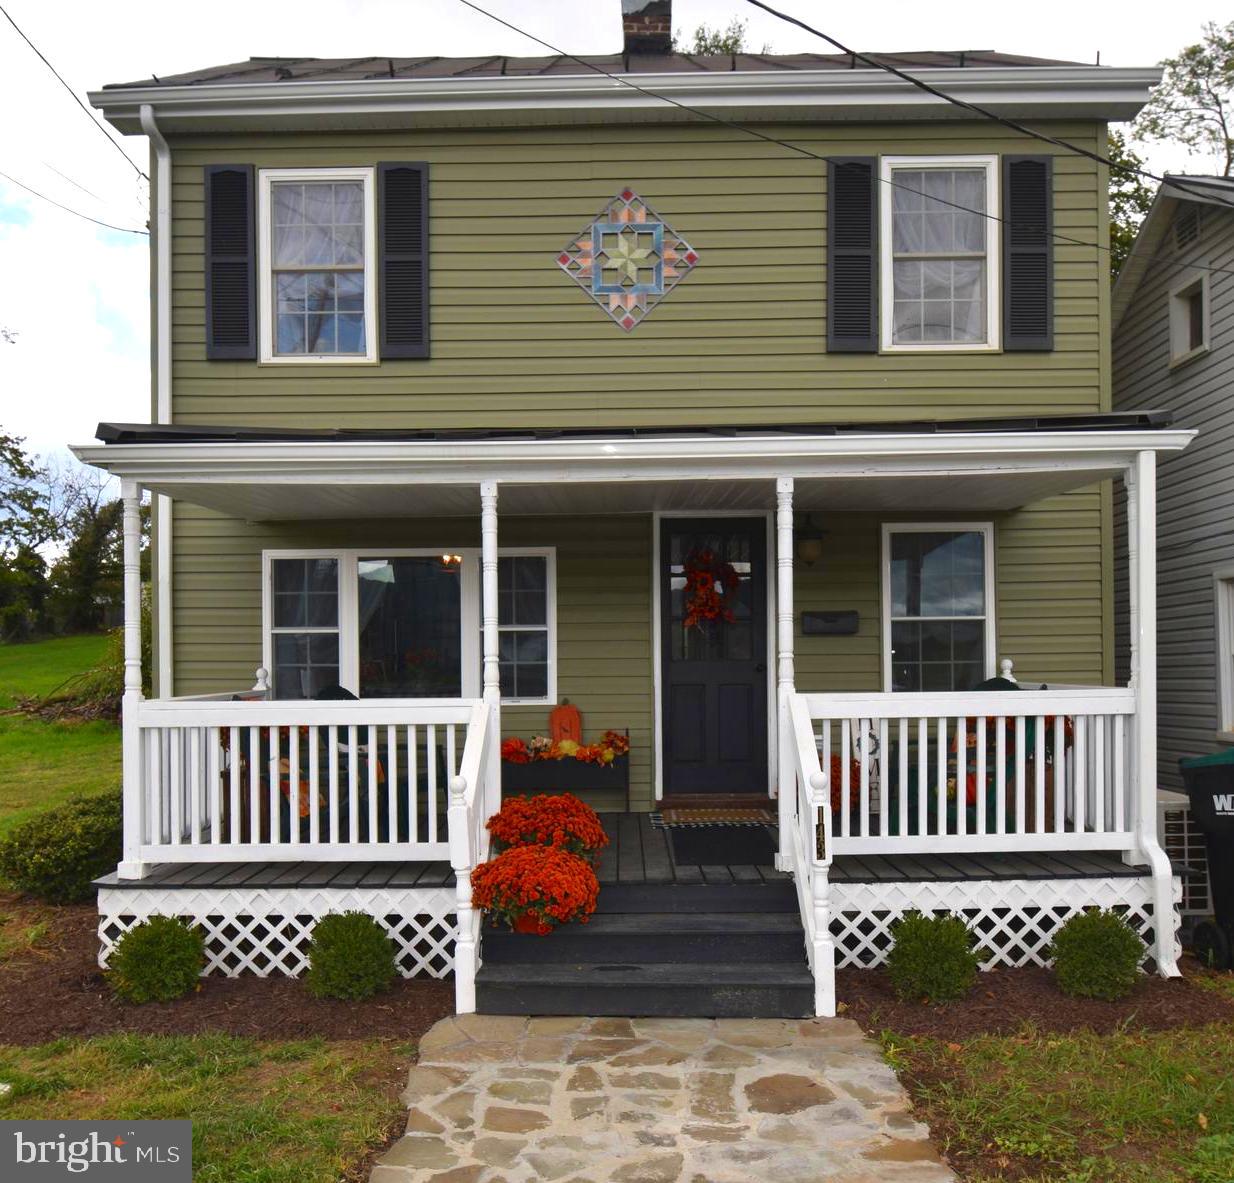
[[697, 897], [777, 990], [649, 938]]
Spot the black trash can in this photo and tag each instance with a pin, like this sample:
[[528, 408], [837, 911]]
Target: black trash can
[[1209, 781]]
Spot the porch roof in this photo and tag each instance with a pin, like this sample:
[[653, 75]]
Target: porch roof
[[285, 474]]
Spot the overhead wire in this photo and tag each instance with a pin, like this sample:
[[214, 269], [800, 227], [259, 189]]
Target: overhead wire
[[69, 209]]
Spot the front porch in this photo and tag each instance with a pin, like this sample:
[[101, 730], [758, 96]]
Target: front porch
[[1012, 809]]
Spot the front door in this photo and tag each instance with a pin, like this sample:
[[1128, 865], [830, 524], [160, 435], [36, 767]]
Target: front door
[[713, 614]]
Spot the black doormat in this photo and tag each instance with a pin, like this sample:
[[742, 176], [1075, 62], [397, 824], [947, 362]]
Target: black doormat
[[723, 845]]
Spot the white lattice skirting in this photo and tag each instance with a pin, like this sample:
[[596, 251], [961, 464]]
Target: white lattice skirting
[[1014, 919], [265, 931]]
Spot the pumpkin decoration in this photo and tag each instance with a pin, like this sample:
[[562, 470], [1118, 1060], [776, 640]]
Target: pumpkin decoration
[[565, 722]]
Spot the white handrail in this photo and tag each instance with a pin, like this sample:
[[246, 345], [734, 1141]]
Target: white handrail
[[810, 853], [469, 847]]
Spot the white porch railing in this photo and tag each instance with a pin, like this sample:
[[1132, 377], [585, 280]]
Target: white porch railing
[[287, 781], [979, 771]]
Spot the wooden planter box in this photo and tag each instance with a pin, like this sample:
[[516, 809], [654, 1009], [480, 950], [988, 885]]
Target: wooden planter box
[[567, 776]]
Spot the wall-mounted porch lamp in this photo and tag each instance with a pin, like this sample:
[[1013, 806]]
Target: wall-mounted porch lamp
[[809, 542]]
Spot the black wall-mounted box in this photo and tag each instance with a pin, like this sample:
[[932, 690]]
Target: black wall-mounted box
[[830, 624]]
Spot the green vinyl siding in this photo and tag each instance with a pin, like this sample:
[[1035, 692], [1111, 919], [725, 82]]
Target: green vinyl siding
[[741, 339]]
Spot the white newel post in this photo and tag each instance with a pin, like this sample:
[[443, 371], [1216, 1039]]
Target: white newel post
[[131, 865], [785, 671], [1142, 521], [492, 666], [462, 858]]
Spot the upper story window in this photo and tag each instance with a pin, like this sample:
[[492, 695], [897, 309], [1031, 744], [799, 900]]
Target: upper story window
[[1189, 320], [938, 619], [939, 252], [316, 273]]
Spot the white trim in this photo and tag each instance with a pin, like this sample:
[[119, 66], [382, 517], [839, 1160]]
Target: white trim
[[991, 344], [1071, 91], [265, 329], [469, 609], [1179, 327], [764, 456], [657, 647], [986, 529], [1223, 607]]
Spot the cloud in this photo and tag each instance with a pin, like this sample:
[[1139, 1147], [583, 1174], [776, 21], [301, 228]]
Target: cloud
[[76, 296]]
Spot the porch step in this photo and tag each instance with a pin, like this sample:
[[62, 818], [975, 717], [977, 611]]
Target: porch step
[[697, 898], [673, 989], [643, 938]]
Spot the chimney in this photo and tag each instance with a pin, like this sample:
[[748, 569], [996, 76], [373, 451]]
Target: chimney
[[647, 26]]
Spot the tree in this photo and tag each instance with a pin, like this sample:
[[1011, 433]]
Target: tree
[[1194, 104], [717, 41], [89, 575], [1130, 198], [25, 514], [23, 595]]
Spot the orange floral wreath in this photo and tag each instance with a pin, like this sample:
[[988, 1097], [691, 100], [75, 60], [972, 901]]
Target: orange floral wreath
[[711, 584]]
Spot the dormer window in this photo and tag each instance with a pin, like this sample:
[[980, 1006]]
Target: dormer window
[[939, 251], [316, 265]]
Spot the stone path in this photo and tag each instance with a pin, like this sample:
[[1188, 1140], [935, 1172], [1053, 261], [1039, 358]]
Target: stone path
[[503, 1099]]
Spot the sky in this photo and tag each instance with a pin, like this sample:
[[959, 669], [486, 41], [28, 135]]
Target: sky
[[76, 295]]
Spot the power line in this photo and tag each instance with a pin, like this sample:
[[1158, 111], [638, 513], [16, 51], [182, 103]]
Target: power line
[[751, 131], [67, 210], [89, 114], [963, 104]]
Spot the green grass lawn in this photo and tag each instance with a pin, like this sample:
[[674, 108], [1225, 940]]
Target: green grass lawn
[[44, 763], [1130, 1107], [297, 1112]]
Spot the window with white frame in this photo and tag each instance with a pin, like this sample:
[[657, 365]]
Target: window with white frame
[[1189, 320], [939, 252], [303, 649], [317, 274], [406, 624], [1223, 585], [938, 617]]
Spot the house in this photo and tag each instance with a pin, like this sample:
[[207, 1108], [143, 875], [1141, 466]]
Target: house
[[1174, 349], [770, 434]]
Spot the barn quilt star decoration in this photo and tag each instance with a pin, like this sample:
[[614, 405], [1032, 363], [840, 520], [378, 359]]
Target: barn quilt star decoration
[[627, 259]]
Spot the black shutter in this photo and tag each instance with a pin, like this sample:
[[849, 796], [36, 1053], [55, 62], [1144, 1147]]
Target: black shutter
[[852, 254], [231, 292], [1028, 252], [402, 196]]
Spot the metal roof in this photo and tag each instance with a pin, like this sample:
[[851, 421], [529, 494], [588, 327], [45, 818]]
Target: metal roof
[[160, 433], [302, 69]]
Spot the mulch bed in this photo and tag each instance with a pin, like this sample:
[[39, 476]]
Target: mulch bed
[[1004, 1001], [56, 989]]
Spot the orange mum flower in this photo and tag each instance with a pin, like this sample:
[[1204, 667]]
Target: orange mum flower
[[546, 882], [560, 820]]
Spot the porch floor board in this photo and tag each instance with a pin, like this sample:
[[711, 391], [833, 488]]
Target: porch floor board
[[640, 853]]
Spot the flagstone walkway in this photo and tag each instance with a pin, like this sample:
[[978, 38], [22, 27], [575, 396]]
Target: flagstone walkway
[[503, 1099]]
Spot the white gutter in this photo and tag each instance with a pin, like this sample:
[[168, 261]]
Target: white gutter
[[162, 381], [1073, 91]]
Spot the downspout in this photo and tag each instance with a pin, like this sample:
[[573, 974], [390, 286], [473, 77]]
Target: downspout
[[162, 385]]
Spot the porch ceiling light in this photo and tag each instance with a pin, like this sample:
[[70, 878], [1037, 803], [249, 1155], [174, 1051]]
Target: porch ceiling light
[[809, 542]]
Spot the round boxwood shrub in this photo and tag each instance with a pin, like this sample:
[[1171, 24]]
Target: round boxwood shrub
[[932, 958], [156, 961], [1097, 955], [58, 854], [350, 957]]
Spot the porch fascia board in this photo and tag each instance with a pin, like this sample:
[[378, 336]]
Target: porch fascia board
[[165, 466], [1073, 91]]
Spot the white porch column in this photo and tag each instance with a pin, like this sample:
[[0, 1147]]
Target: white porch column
[[1142, 551], [785, 668], [492, 666], [134, 795]]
